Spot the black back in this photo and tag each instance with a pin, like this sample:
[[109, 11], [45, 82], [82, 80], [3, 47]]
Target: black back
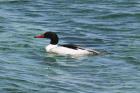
[[77, 47], [70, 46]]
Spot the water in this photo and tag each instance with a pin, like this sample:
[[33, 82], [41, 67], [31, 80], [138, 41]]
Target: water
[[106, 25]]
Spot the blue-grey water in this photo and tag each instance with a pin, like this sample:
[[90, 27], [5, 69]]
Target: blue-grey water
[[111, 26]]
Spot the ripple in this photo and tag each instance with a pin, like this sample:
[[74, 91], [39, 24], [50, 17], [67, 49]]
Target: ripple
[[103, 25], [12, 1]]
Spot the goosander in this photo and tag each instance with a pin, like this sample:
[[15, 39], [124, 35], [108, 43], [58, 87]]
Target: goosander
[[66, 49]]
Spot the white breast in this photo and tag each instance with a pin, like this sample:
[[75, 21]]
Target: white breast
[[66, 51]]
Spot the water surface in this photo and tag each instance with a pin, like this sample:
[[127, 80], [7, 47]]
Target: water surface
[[105, 25]]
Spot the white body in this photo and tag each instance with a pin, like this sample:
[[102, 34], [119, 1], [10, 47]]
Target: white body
[[67, 51]]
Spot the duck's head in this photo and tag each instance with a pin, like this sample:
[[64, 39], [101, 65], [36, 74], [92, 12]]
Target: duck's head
[[50, 35]]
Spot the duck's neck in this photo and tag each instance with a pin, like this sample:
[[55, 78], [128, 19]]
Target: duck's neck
[[54, 41]]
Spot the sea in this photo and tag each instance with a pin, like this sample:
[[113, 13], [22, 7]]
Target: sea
[[109, 26]]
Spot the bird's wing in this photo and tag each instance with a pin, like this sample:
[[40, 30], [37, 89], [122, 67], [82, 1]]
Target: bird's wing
[[70, 46]]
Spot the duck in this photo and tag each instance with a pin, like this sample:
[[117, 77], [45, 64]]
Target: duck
[[64, 49]]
